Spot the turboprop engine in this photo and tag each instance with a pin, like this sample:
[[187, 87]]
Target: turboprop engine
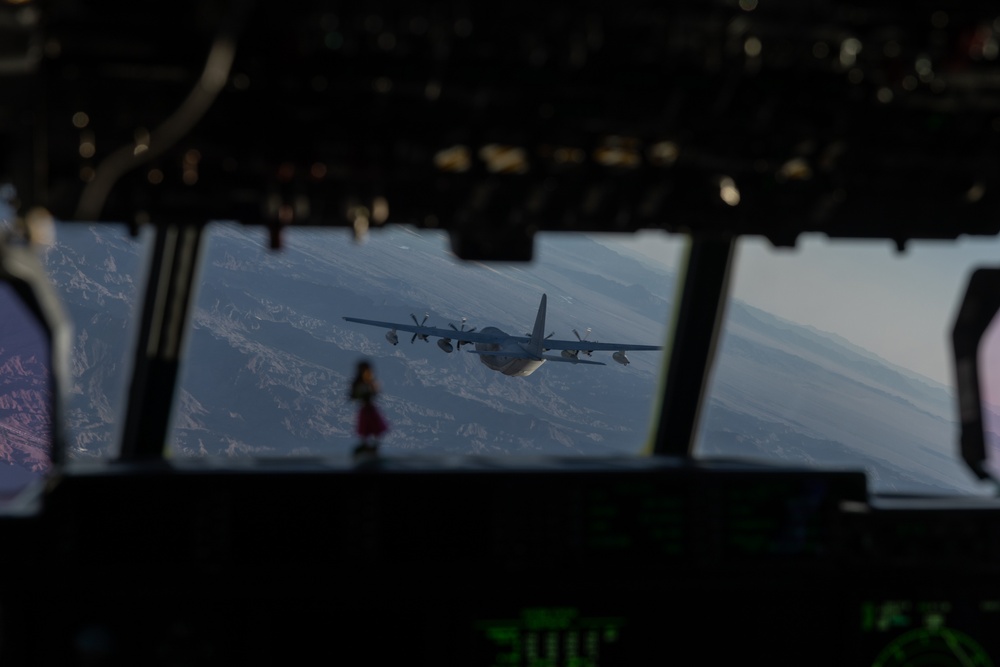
[[620, 357], [445, 344]]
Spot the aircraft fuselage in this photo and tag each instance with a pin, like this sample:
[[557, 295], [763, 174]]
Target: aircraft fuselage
[[508, 365]]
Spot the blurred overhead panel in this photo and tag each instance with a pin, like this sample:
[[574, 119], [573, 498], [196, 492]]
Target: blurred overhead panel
[[20, 56], [495, 120]]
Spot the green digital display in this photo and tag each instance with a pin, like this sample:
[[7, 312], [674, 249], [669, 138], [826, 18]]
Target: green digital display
[[941, 646], [929, 632], [549, 637]]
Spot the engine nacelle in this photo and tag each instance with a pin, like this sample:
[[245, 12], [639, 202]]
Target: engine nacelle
[[391, 336], [445, 344], [620, 357], [570, 354]]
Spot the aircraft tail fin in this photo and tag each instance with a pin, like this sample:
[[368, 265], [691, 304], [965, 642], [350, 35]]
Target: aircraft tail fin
[[538, 332]]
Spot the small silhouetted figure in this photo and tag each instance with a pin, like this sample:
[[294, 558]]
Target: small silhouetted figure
[[371, 425]]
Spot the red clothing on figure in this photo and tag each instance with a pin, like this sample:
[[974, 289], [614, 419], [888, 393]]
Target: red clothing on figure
[[370, 422], [365, 389]]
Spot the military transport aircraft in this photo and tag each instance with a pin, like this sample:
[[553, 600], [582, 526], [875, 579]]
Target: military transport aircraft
[[511, 355]]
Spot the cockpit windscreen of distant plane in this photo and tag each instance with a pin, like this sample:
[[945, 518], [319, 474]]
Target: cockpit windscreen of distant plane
[[833, 353]]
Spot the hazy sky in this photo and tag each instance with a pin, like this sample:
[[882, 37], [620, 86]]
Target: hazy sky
[[899, 306]]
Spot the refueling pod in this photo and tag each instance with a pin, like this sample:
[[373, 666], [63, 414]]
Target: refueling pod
[[445, 344], [391, 336], [620, 357]]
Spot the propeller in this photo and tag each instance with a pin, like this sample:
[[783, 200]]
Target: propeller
[[459, 343], [583, 339], [422, 337]]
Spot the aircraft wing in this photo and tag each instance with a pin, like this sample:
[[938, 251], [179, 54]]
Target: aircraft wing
[[465, 336], [594, 346]]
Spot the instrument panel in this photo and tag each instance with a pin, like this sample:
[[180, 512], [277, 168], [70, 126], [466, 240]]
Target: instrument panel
[[498, 563]]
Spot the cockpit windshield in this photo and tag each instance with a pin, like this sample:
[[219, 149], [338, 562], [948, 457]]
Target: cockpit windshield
[[837, 353], [825, 358], [98, 272], [269, 356]]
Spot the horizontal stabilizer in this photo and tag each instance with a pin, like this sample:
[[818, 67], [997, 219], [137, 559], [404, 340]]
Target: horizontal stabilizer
[[524, 355], [548, 357], [504, 353]]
